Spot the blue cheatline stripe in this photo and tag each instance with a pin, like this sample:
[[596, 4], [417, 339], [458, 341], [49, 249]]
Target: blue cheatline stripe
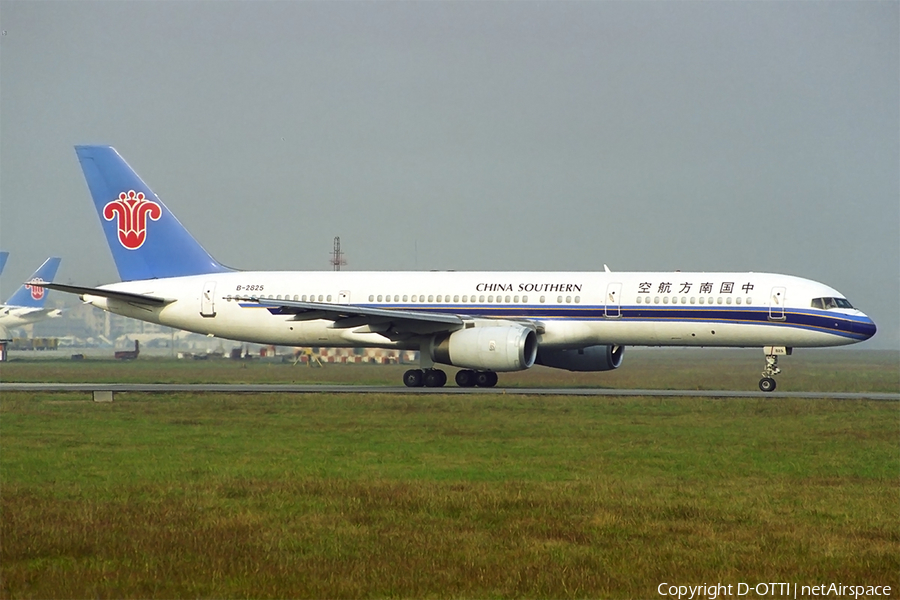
[[822, 321]]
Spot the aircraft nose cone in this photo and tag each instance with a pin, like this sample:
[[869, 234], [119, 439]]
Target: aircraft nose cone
[[865, 327]]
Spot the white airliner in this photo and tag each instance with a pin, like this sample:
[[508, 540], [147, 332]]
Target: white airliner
[[26, 305], [482, 322]]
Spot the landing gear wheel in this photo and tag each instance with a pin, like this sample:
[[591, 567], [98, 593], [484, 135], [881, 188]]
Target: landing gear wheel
[[465, 378], [767, 383], [414, 378], [485, 379], [435, 378]]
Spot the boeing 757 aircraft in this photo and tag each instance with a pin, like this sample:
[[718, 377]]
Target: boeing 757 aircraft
[[482, 322], [26, 305]]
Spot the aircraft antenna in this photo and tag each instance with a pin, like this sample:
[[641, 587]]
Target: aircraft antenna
[[337, 257]]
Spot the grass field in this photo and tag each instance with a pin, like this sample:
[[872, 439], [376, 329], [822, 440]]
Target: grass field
[[701, 369], [352, 496]]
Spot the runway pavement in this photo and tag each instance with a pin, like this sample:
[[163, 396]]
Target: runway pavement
[[373, 389]]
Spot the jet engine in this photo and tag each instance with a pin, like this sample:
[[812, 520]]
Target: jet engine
[[509, 348], [592, 358]]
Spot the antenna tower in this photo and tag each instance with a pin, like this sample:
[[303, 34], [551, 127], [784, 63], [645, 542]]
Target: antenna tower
[[337, 257]]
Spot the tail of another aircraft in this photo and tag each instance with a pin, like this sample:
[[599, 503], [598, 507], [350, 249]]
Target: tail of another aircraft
[[3, 257], [145, 238], [31, 296]]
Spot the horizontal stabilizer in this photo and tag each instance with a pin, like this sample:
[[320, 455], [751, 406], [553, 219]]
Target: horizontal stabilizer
[[111, 294]]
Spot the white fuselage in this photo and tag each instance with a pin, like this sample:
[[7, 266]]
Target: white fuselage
[[12, 317], [574, 309]]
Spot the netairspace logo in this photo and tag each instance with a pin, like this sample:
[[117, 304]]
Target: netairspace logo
[[777, 590]]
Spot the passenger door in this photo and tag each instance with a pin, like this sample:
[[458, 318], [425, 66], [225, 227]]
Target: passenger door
[[208, 300], [776, 303], [613, 305]]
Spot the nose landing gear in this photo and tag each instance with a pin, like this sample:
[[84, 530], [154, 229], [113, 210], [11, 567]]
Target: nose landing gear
[[767, 383]]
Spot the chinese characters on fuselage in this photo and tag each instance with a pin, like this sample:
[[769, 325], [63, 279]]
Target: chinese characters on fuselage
[[666, 287]]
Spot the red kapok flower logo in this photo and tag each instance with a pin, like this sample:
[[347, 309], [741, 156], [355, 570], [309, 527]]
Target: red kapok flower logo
[[132, 210], [37, 292]]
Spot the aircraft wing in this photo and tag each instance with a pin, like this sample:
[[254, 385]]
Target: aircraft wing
[[394, 324], [104, 293]]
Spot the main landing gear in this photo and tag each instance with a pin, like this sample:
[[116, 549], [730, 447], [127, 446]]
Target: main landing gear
[[437, 378], [767, 383]]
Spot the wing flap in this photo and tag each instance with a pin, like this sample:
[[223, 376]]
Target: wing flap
[[392, 323]]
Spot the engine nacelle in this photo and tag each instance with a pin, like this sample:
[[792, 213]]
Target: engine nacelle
[[592, 358], [510, 348]]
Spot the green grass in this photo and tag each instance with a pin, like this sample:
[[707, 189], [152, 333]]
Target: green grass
[[701, 369], [440, 496]]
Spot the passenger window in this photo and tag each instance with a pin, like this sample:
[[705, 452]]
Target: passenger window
[[577, 299], [656, 300], [693, 300], [507, 299], [559, 299], [516, 299], [379, 297], [665, 299], [728, 300], [439, 298], [421, 297], [456, 298], [430, 298], [329, 298], [405, 298], [465, 299], [525, 299], [719, 300], [481, 298], [737, 300], [543, 299], [490, 298], [749, 300]]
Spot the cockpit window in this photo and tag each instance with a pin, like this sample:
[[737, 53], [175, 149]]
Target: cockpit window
[[827, 303]]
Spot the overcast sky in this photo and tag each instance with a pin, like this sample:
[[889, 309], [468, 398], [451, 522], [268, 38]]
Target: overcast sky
[[744, 136]]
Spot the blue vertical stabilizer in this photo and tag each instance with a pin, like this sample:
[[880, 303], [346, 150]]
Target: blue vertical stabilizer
[[145, 238], [34, 297]]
